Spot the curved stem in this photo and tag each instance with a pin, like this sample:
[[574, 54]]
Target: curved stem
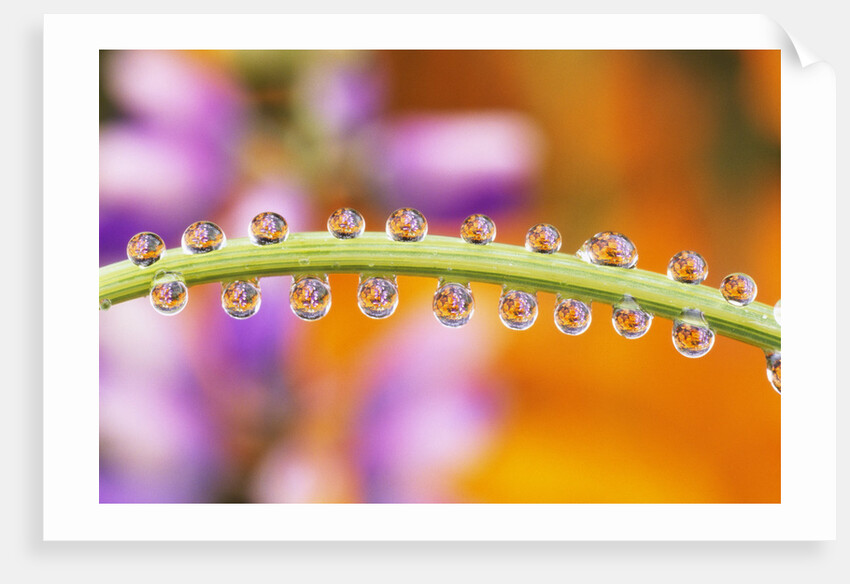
[[440, 256]]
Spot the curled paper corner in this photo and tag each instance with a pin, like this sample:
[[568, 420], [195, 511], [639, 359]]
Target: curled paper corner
[[804, 55], [793, 45]]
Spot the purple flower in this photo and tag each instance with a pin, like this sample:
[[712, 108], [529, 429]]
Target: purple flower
[[174, 91], [455, 165], [157, 442], [343, 95], [433, 411]]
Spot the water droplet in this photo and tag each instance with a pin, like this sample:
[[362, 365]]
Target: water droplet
[[609, 248], [543, 238], [303, 261], [346, 223], [377, 297], [203, 237], [240, 299], [572, 316], [738, 289], [517, 309], [478, 229], [145, 248], [309, 298], [691, 335], [777, 312], [267, 229], [169, 293], [688, 267], [774, 370], [105, 304], [407, 225], [453, 305], [629, 319]]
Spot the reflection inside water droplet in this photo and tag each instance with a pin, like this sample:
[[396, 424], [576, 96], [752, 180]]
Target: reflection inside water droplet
[[629, 319], [609, 248], [377, 297], [774, 370], [309, 297], [453, 305], [691, 335], [517, 309], [572, 317], [240, 299], [169, 293]]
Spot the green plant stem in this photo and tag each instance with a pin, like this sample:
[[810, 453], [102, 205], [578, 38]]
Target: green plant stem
[[440, 256]]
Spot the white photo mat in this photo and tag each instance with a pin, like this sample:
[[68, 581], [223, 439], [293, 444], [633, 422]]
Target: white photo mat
[[71, 507]]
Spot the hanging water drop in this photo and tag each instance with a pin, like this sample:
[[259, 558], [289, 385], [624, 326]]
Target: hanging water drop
[[346, 223], [145, 249], [629, 319], [572, 316], [169, 293], [777, 312], [268, 228], [453, 305], [517, 309], [105, 304], [543, 238], [687, 267], [203, 237], [309, 297], [774, 370], [738, 289], [241, 298], [377, 297], [478, 229], [691, 335], [609, 248], [407, 225]]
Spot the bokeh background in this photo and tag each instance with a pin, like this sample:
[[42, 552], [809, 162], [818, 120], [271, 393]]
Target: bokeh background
[[676, 149]]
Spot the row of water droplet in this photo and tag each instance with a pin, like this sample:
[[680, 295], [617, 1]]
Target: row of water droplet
[[453, 304]]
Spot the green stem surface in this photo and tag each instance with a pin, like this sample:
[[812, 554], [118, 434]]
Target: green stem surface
[[450, 257]]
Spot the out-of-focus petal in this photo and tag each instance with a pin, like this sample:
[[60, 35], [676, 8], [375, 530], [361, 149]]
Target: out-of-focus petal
[[458, 164], [156, 439], [433, 413], [171, 89], [343, 95]]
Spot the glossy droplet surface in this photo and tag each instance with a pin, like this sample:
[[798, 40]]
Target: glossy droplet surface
[[453, 305], [777, 312], [543, 238], [240, 299], [688, 267], [630, 320], [774, 370], [268, 228], [407, 225], [691, 335], [609, 248], [572, 316], [377, 297], [738, 289], [309, 298], [105, 304], [346, 223], [478, 229], [517, 309], [145, 248], [202, 237], [169, 293]]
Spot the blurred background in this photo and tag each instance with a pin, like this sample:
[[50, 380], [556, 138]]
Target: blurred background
[[678, 150]]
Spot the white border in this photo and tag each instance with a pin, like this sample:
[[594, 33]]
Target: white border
[[71, 508]]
